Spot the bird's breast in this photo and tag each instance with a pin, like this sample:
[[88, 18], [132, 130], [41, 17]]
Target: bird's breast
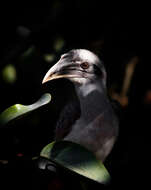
[[98, 135]]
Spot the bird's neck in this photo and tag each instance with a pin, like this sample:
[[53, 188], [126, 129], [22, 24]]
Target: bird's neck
[[93, 100]]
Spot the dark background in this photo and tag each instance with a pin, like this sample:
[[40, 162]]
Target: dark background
[[29, 32]]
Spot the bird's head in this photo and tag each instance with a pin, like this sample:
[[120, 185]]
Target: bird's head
[[79, 66]]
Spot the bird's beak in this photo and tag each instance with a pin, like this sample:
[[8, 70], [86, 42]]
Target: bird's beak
[[60, 70], [53, 73]]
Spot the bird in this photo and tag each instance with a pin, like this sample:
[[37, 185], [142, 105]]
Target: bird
[[91, 121]]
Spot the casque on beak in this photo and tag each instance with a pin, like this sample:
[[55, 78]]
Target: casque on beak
[[61, 70]]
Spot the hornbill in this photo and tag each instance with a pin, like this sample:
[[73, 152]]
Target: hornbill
[[93, 124]]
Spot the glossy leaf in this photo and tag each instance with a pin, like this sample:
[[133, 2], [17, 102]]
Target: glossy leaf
[[18, 110], [77, 159]]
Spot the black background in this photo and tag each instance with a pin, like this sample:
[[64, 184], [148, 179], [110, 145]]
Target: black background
[[116, 32]]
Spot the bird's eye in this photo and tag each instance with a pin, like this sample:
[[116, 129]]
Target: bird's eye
[[84, 65]]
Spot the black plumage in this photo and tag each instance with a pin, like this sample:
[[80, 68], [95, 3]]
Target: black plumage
[[70, 113]]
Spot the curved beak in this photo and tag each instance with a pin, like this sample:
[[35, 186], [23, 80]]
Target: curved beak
[[53, 73], [61, 70]]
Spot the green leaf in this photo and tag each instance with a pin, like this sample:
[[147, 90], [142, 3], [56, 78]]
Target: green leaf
[[9, 74], [59, 43], [77, 159], [18, 110], [28, 52]]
